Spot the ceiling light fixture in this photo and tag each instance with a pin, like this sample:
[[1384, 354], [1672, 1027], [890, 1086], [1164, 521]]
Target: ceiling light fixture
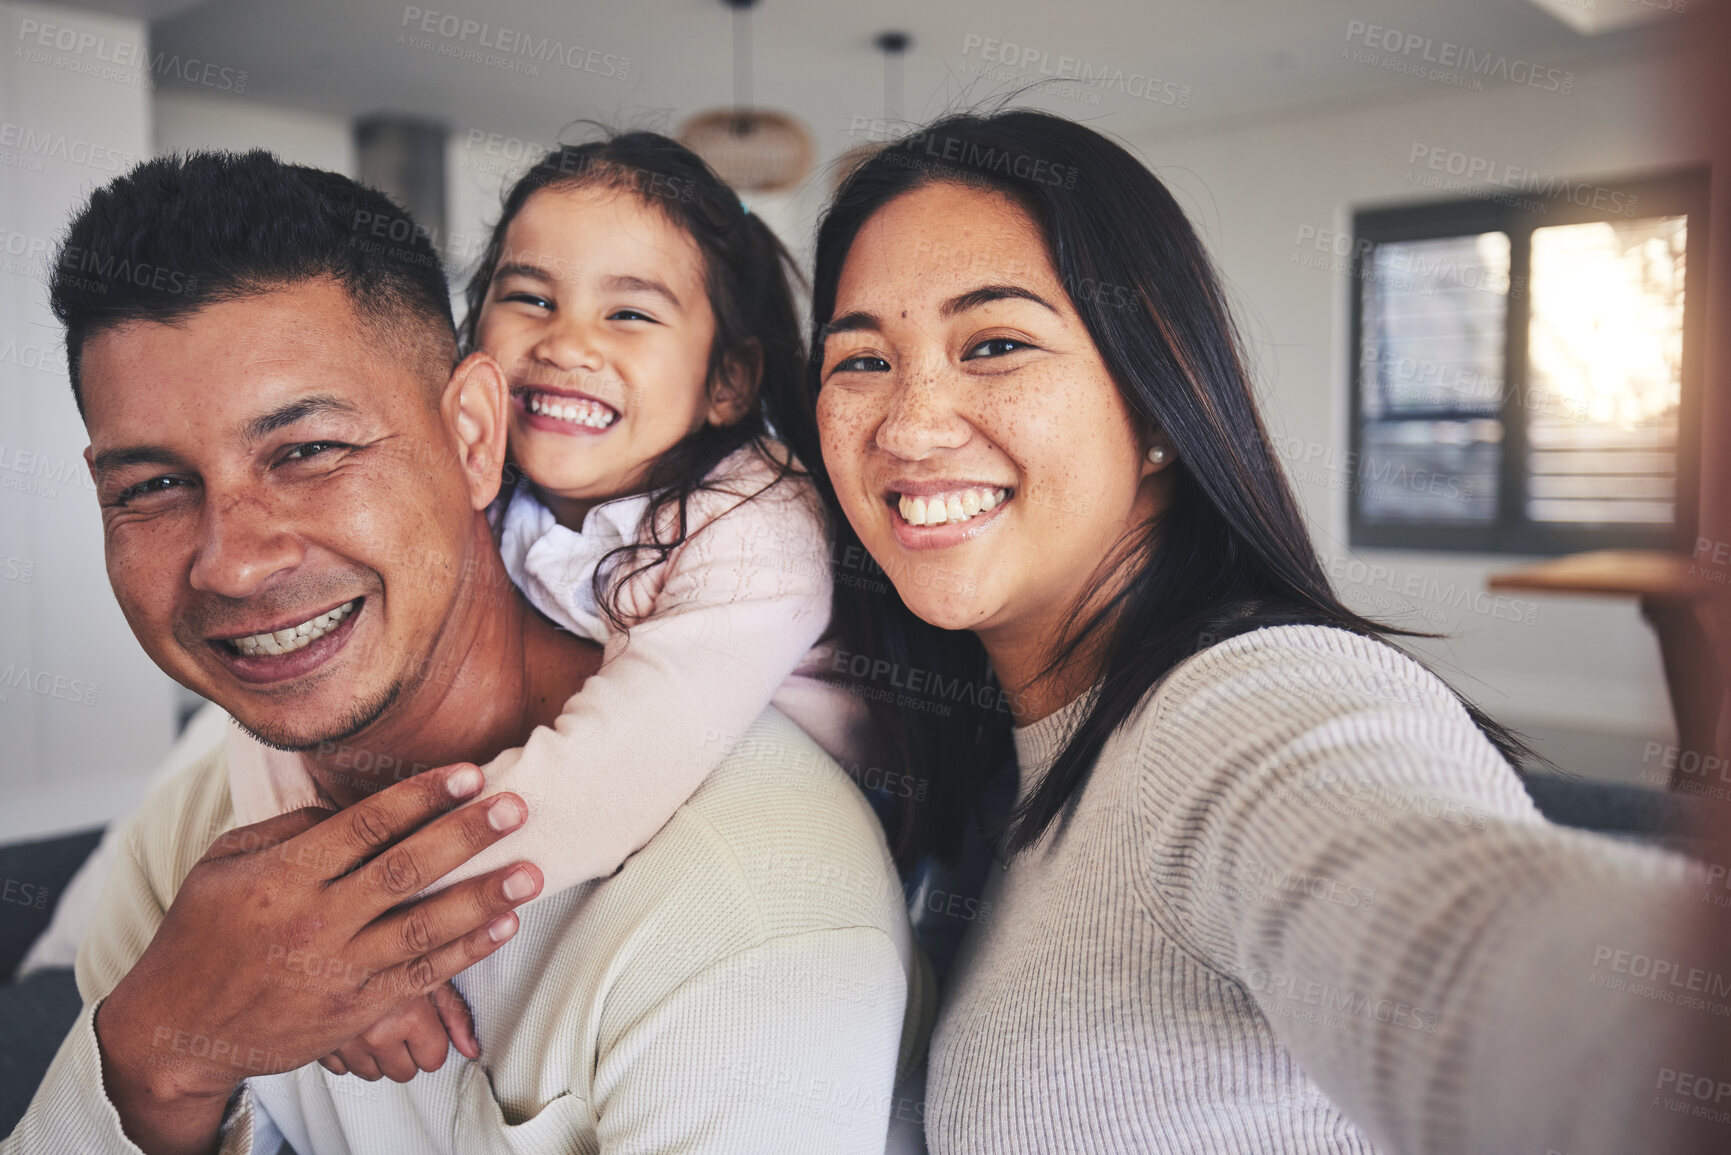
[[752, 149]]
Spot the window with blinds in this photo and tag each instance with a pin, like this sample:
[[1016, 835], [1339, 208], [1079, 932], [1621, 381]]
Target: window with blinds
[[1524, 369]]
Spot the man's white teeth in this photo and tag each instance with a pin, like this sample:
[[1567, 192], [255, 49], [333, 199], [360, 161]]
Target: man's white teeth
[[949, 508], [573, 409], [292, 638]]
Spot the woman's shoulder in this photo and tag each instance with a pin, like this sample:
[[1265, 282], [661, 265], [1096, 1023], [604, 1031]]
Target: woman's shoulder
[[1279, 681], [1325, 662], [1307, 713], [1301, 732]]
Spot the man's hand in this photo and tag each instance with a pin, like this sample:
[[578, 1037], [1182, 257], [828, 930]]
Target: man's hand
[[289, 938], [415, 1037]]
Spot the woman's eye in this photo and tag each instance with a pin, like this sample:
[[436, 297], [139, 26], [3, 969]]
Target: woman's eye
[[995, 347], [864, 363]]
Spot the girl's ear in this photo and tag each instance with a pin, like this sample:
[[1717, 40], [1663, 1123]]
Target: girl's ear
[[734, 391], [474, 409]]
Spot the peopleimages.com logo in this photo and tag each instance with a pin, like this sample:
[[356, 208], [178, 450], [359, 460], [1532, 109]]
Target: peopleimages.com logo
[[1444, 61], [511, 49], [1027, 62], [78, 50]]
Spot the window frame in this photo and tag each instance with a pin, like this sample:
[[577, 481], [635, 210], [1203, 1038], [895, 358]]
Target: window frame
[[1677, 192]]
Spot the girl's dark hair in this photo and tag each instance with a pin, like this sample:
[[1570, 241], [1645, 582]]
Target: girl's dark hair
[[749, 275], [1234, 554]]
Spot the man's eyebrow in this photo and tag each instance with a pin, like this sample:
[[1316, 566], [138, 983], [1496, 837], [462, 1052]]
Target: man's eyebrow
[[986, 294], [622, 284], [317, 405], [110, 460]]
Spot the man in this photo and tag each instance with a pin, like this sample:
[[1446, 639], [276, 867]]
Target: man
[[282, 450]]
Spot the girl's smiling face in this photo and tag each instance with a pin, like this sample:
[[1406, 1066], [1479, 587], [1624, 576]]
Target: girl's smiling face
[[599, 312], [977, 441]]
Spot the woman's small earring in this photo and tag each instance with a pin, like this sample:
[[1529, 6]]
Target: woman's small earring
[[1157, 455]]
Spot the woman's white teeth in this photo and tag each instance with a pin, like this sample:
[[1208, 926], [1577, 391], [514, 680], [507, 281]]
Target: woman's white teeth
[[292, 638], [573, 409], [949, 508]]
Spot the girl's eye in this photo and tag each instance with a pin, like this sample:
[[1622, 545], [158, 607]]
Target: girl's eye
[[539, 302], [864, 363], [995, 347], [629, 315]]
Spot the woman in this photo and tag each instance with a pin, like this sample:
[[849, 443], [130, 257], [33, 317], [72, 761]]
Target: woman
[[1268, 884]]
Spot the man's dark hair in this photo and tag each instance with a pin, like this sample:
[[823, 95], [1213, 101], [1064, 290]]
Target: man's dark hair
[[182, 232]]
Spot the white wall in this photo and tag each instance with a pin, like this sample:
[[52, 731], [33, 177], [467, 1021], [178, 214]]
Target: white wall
[[83, 712], [1584, 664], [203, 120]]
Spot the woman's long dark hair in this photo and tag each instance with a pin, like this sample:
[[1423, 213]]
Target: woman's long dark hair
[[750, 278], [1233, 553]]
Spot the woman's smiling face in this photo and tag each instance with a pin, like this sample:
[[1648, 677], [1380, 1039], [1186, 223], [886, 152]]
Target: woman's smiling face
[[976, 440]]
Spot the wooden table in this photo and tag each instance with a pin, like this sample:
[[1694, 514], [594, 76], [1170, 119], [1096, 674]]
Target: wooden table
[[1674, 591]]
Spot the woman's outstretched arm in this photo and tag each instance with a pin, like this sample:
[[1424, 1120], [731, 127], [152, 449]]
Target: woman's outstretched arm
[[1327, 827]]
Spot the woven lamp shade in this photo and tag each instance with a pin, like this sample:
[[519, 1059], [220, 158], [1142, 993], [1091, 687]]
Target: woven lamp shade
[[755, 151]]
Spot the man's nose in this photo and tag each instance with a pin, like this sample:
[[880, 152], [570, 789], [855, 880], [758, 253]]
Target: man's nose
[[242, 546], [922, 417]]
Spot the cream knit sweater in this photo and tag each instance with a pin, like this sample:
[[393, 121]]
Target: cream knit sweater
[[745, 983]]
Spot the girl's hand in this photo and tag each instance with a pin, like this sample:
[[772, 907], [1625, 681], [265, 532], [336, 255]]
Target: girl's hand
[[414, 1037]]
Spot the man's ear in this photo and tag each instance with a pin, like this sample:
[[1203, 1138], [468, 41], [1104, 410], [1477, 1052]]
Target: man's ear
[[734, 391], [474, 411]]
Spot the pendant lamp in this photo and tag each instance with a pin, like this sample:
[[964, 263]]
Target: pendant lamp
[[752, 149]]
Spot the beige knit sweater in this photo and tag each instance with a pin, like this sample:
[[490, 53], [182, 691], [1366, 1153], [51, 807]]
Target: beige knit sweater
[[738, 986]]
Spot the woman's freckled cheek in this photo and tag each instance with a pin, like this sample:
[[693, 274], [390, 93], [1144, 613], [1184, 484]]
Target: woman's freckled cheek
[[843, 427]]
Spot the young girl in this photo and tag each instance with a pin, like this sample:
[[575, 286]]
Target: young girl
[[647, 328]]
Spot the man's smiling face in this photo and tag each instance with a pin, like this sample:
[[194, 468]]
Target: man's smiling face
[[269, 464]]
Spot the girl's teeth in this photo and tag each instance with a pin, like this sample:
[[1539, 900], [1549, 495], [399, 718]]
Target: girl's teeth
[[950, 508], [589, 413], [286, 641]]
